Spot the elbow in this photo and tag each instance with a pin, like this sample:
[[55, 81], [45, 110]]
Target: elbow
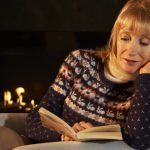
[[138, 141], [39, 134], [138, 145]]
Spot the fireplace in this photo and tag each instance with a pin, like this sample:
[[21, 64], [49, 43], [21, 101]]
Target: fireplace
[[35, 37], [30, 61]]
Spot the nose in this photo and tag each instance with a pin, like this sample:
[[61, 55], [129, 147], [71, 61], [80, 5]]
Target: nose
[[132, 48]]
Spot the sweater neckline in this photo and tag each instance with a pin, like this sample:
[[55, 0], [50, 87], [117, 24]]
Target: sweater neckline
[[109, 82]]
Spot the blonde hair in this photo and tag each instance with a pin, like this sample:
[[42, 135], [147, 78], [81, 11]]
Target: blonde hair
[[135, 14]]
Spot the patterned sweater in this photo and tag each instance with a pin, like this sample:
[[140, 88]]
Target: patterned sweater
[[81, 92]]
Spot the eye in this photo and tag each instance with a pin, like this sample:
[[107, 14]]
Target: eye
[[144, 44], [145, 41], [124, 37]]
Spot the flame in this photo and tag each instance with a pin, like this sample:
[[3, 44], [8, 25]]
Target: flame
[[19, 92], [21, 104], [33, 103], [7, 98]]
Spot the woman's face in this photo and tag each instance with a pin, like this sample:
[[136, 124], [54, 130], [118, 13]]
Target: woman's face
[[133, 50]]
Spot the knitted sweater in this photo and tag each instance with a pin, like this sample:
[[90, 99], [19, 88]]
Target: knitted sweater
[[81, 92]]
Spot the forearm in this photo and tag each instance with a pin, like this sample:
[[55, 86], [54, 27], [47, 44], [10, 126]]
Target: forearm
[[54, 100], [34, 129], [136, 131], [36, 132]]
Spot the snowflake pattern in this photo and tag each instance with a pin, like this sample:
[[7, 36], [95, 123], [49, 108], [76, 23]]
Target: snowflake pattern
[[85, 94]]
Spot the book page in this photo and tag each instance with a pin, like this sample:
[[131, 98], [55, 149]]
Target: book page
[[53, 122], [90, 136], [104, 128], [101, 133]]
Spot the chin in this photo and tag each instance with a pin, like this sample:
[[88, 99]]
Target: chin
[[129, 70]]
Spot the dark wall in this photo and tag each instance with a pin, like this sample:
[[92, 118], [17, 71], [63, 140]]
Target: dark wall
[[59, 15], [35, 37], [32, 59]]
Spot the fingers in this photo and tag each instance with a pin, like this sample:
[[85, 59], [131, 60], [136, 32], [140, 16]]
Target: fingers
[[86, 125], [81, 126], [145, 68], [66, 138], [77, 127]]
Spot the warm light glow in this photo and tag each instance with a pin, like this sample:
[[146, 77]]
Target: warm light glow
[[27, 109], [33, 103], [7, 98], [23, 106], [20, 91]]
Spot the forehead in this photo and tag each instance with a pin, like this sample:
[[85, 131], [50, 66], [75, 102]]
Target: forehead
[[137, 27]]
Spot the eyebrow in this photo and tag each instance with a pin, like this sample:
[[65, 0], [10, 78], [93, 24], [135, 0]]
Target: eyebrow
[[127, 31], [124, 32], [145, 36]]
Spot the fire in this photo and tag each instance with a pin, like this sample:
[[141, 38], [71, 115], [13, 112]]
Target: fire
[[33, 103], [8, 102], [20, 91], [7, 98]]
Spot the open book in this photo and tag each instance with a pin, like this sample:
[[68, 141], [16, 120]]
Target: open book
[[53, 122]]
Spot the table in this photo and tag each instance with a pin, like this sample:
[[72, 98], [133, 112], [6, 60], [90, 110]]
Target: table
[[96, 145]]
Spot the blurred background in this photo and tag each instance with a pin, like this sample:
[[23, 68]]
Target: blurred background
[[35, 37]]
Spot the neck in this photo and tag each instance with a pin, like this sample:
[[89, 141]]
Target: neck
[[114, 70]]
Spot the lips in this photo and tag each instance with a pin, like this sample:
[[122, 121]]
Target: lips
[[130, 61]]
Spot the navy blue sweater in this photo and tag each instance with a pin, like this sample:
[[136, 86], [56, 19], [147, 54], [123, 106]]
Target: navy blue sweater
[[81, 92]]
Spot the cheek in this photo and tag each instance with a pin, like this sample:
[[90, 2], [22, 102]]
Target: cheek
[[120, 44], [146, 57], [119, 50]]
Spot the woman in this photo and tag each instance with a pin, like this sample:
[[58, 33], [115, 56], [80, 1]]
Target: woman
[[105, 87]]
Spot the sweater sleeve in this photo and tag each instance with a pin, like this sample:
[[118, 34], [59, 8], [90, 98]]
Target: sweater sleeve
[[137, 127], [53, 100]]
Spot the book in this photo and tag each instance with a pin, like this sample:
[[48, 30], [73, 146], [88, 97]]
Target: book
[[53, 122]]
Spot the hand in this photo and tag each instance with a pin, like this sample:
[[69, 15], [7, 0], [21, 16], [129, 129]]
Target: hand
[[77, 127], [145, 68]]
